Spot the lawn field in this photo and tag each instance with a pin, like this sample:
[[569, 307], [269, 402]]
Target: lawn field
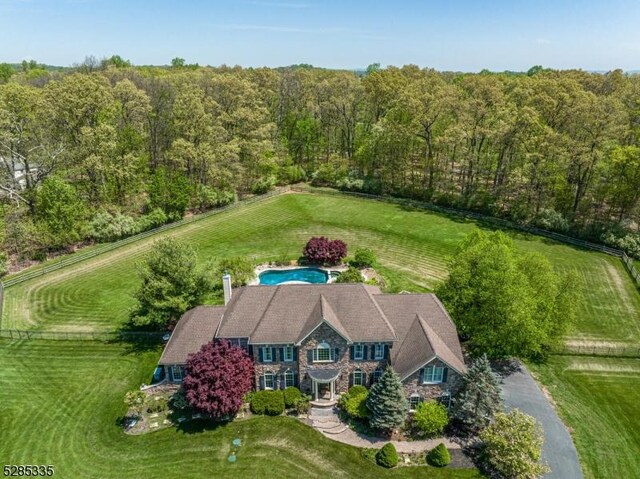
[[61, 402], [599, 398], [412, 246]]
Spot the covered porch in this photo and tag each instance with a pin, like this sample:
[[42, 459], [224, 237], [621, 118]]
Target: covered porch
[[323, 385]]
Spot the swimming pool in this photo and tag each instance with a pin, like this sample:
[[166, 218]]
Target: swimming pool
[[298, 275]]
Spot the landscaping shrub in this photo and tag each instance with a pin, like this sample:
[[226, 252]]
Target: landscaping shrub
[[363, 258], [153, 219], [263, 185], [354, 402], [513, 446], [349, 183], [291, 396], [351, 275], [303, 404], [108, 227], [207, 197], [630, 243], [430, 418], [387, 456], [270, 403], [135, 400], [179, 400], [321, 250], [550, 219], [439, 456], [291, 174], [157, 405], [357, 389]]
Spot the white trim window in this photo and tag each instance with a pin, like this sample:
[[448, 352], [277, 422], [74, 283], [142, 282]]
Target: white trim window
[[378, 351], [377, 374], [414, 401], [176, 373], [358, 352], [288, 378], [267, 354], [358, 378], [287, 353], [432, 375], [323, 353], [269, 380]]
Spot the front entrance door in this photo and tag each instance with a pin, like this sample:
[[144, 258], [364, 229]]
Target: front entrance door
[[324, 391]]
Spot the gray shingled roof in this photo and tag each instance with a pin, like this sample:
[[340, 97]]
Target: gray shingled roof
[[424, 330], [280, 314], [196, 328], [286, 314]]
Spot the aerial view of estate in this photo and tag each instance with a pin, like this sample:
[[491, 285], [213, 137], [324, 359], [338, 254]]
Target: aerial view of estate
[[229, 248]]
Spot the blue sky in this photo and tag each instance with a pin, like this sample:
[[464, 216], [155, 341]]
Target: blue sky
[[462, 35]]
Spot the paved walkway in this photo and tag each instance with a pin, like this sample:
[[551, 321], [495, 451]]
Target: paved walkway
[[520, 391], [327, 422]]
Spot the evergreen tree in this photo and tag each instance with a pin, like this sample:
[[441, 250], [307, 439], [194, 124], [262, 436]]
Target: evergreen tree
[[387, 402], [479, 399]]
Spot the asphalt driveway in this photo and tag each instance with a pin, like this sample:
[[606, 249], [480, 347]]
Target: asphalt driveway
[[519, 390]]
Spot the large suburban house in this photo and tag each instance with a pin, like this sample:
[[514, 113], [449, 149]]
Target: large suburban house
[[324, 338]]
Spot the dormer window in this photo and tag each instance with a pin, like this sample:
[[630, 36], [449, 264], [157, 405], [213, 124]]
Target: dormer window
[[323, 353]]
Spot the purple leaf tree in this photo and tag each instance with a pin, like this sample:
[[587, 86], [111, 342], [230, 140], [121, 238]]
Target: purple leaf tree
[[217, 377], [321, 250]]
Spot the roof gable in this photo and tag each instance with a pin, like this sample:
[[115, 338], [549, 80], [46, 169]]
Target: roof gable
[[323, 314]]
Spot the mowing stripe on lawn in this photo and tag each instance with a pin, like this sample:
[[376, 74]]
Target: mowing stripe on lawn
[[412, 246]]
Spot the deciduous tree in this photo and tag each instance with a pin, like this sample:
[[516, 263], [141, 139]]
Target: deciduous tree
[[217, 377], [171, 284], [508, 304], [513, 446]]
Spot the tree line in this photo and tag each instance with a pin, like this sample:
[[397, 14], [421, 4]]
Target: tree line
[[106, 149]]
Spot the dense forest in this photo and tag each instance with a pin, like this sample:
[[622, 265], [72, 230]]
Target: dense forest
[[106, 149]]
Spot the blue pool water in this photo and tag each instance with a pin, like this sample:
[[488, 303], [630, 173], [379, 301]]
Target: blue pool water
[[304, 275]]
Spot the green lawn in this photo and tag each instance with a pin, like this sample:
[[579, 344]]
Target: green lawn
[[412, 246], [61, 402], [61, 399], [599, 398]]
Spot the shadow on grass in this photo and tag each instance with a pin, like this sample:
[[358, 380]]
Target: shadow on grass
[[187, 424]]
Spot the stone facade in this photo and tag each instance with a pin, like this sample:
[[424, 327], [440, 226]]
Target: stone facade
[[413, 384], [278, 366], [326, 334], [304, 355]]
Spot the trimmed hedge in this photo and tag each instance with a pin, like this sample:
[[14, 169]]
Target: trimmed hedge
[[270, 403], [292, 396], [439, 456], [387, 456]]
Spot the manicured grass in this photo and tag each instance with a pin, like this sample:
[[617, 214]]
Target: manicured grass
[[412, 246], [62, 400], [599, 399]]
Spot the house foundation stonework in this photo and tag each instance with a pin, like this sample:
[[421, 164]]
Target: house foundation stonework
[[324, 338]]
